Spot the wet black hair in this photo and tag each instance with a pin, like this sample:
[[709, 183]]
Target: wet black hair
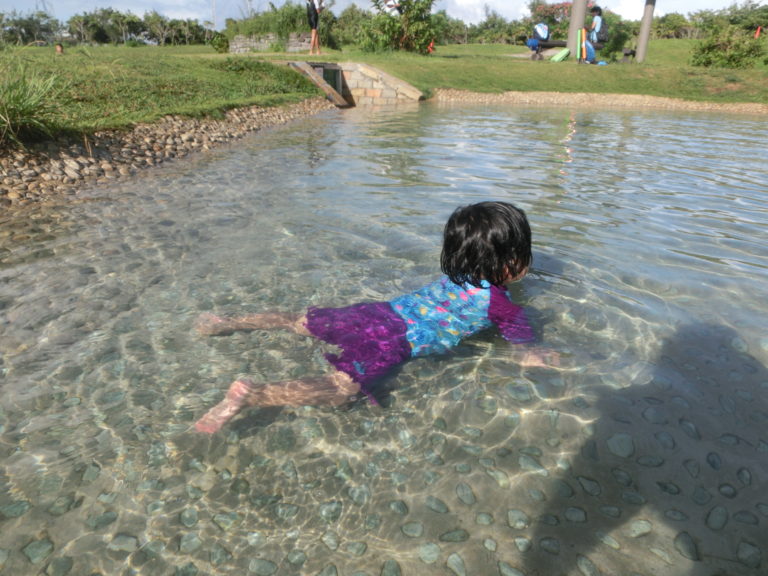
[[486, 241]]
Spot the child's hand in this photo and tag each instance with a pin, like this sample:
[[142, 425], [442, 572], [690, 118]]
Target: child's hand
[[539, 357]]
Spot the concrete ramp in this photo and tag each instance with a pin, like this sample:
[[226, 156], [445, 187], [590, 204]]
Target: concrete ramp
[[354, 84], [316, 73]]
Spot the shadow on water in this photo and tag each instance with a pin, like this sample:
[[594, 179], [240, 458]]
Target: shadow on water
[[675, 467]]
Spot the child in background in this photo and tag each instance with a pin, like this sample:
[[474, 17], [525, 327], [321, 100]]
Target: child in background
[[485, 246]]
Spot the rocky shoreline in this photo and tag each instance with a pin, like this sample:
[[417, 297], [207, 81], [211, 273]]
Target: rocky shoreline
[[57, 169]]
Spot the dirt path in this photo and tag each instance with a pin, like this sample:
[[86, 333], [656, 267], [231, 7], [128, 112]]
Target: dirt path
[[599, 101]]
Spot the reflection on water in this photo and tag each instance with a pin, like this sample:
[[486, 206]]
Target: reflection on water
[[644, 454]]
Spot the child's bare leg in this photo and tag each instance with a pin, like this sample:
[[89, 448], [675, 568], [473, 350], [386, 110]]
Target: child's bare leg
[[210, 324], [333, 390], [236, 398]]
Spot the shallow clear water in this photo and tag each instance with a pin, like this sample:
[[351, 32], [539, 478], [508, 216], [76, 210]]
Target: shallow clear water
[[645, 452]]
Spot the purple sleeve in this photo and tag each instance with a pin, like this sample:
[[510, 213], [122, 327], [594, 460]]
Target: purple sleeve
[[509, 317]]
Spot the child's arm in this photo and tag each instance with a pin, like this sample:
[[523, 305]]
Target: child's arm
[[514, 326]]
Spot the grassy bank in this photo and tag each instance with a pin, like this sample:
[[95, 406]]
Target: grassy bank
[[114, 87]]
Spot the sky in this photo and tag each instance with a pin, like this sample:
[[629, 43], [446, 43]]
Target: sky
[[470, 11]]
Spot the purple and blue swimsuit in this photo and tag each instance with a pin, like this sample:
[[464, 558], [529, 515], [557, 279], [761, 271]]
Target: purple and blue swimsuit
[[375, 337]]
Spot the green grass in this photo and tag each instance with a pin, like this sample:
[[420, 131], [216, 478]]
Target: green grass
[[494, 68], [27, 103], [116, 87]]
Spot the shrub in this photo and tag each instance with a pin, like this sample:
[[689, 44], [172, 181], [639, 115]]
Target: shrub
[[412, 31], [28, 104], [729, 47], [219, 42]]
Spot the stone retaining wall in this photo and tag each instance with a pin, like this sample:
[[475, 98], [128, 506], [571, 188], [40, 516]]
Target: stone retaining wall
[[244, 44], [365, 86]]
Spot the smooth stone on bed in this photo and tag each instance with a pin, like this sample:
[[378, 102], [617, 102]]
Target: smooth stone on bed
[[60, 566], [501, 477], [124, 543], [456, 565], [676, 515], [360, 495], [575, 514], [610, 511], [331, 540], [38, 550], [639, 528], [262, 567], [744, 476], [717, 518], [189, 543], [749, 554], [621, 445], [685, 545], [507, 570], [550, 545], [586, 566], [746, 517], [296, 557], [530, 464], [429, 553], [483, 519], [412, 529], [331, 511], [226, 521], [465, 494], [356, 548], [391, 568], [517, 519], [15, 509], [590, 486], [436, 505], [458, 535], [608, 540], [523, 544], [219, 555]]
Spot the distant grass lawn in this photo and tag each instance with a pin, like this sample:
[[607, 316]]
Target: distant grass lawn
[[115, 87], [498, 68]]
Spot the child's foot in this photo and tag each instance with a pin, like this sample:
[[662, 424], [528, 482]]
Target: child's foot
[[235, 400], [209, 324]]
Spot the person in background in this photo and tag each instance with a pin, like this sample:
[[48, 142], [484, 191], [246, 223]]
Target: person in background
[[597, 23], [314, 8], [393, 8]]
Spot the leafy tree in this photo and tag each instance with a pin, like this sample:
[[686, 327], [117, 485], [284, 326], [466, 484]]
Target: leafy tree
[[449, 30], [412, 30], [493, 30], [124, 27], [78, 27], [158, 27], [672, 25], [28, 28], [349, 24], [556, 16]]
